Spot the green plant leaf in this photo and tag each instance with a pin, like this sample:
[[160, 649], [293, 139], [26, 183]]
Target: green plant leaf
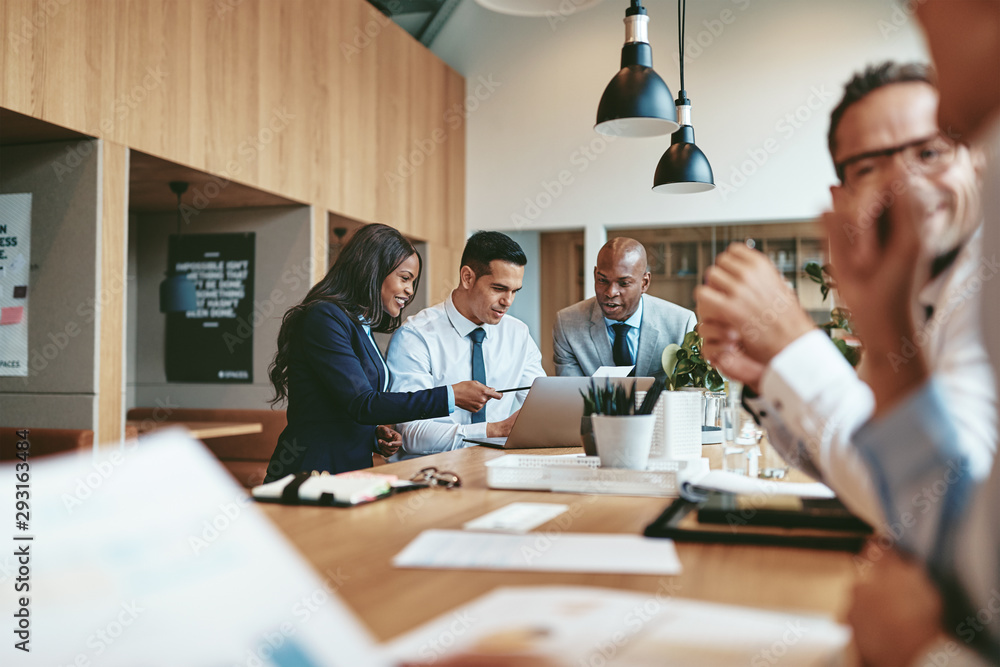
[[852, 354], [669, 358], [684, 366], [691, 339], [714, 381]]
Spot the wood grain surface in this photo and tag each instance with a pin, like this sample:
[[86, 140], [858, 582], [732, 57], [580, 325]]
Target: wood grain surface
[[353, 549]]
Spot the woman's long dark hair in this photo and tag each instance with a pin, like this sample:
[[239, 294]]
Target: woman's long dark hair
[[354, 283]]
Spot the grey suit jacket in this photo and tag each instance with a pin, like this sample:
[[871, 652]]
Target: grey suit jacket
[[580, 342]]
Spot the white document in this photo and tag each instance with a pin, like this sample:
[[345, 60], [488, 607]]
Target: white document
[[516, 517], [720, 480], [543, 552], [613, 372], [598, 626], [154, 556]]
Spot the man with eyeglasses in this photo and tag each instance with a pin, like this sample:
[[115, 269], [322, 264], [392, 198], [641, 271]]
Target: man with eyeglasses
[[888, 153]]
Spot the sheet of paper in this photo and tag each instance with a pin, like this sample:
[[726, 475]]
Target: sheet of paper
[[613, 372], [720, 480], [557, 552], [516, 517], [690, 632], [153, 555], [591, 626], [566, 623]]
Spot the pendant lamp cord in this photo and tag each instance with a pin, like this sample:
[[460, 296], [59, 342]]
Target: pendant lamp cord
[[681, 18]]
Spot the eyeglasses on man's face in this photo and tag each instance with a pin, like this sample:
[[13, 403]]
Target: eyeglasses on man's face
[[928, 156]]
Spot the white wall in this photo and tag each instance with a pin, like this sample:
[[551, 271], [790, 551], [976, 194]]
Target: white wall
[[533, 85], [539, 82], [527, 303]]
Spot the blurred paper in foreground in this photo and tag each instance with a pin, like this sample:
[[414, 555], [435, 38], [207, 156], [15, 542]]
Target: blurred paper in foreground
[[155, 556], [600, 626]]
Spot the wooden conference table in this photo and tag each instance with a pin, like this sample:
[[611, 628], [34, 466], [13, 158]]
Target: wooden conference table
[[352, 548]]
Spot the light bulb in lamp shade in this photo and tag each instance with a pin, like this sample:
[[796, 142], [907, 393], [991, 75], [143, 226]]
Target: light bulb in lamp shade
[[547, 8]]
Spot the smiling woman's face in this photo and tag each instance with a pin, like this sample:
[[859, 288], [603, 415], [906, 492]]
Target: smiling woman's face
[[397, 288]]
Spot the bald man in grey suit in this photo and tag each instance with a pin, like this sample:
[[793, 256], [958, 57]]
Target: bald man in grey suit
[[622, 325]]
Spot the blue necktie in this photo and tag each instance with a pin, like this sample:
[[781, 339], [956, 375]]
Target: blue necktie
[[620, 353], [478, 368]]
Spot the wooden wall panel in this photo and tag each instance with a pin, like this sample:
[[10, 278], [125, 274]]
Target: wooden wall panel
[[203, 83], [419, 151], [320, 243], [432, 215], [112, 294], [395, 85], [442, 271], [310, 100], [358, 102], [455, 179]]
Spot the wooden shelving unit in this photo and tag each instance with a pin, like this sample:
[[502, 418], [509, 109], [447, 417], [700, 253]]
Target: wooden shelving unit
[[678, 257]]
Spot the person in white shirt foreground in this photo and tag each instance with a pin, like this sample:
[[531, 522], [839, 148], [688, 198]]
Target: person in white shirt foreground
[[441, 342], [885, 144], [910, 442], [913, 441]]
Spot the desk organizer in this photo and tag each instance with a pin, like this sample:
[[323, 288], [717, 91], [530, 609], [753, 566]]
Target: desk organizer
[[677, 434], [584, 475]]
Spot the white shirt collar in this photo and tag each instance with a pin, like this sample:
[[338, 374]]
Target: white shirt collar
[[463, 325], [635, 320]]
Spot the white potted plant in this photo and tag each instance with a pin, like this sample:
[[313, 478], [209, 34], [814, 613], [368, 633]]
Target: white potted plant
[[680, 408]]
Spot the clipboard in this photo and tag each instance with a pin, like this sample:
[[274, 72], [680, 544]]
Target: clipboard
[[727, 518], [344, 490]]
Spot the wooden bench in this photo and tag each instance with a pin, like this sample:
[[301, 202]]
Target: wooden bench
[[245, 456], [46, 441]]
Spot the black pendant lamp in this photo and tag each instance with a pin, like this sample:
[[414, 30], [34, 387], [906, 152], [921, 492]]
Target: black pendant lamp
[[177, 293], [684, 168], [637, 102]]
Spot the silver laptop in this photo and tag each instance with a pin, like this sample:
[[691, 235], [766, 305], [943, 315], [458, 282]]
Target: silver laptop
[[550, 416]]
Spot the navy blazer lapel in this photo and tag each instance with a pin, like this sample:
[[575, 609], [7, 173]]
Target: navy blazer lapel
[[373, 356], [599, 334]]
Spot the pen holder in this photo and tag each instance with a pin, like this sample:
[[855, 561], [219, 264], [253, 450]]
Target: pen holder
[[587, 436], [623, 441], [677, 433]]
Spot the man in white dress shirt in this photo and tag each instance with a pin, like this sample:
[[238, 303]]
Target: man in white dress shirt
[[910, 442], [884, 138], [469, 336]]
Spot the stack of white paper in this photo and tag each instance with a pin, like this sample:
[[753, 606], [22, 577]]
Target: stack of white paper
[[597, 626], [550, 552], [720, 480]]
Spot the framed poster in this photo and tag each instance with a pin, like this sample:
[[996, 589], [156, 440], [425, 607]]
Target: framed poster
[[15, 264], [213, 343]]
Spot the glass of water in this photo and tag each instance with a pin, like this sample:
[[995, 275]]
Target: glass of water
[[740, 435]]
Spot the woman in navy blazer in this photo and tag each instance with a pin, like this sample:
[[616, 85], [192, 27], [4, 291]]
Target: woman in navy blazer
[[333, 376]]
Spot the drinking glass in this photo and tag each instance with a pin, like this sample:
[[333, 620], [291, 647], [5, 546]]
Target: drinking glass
[[740, 435]]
